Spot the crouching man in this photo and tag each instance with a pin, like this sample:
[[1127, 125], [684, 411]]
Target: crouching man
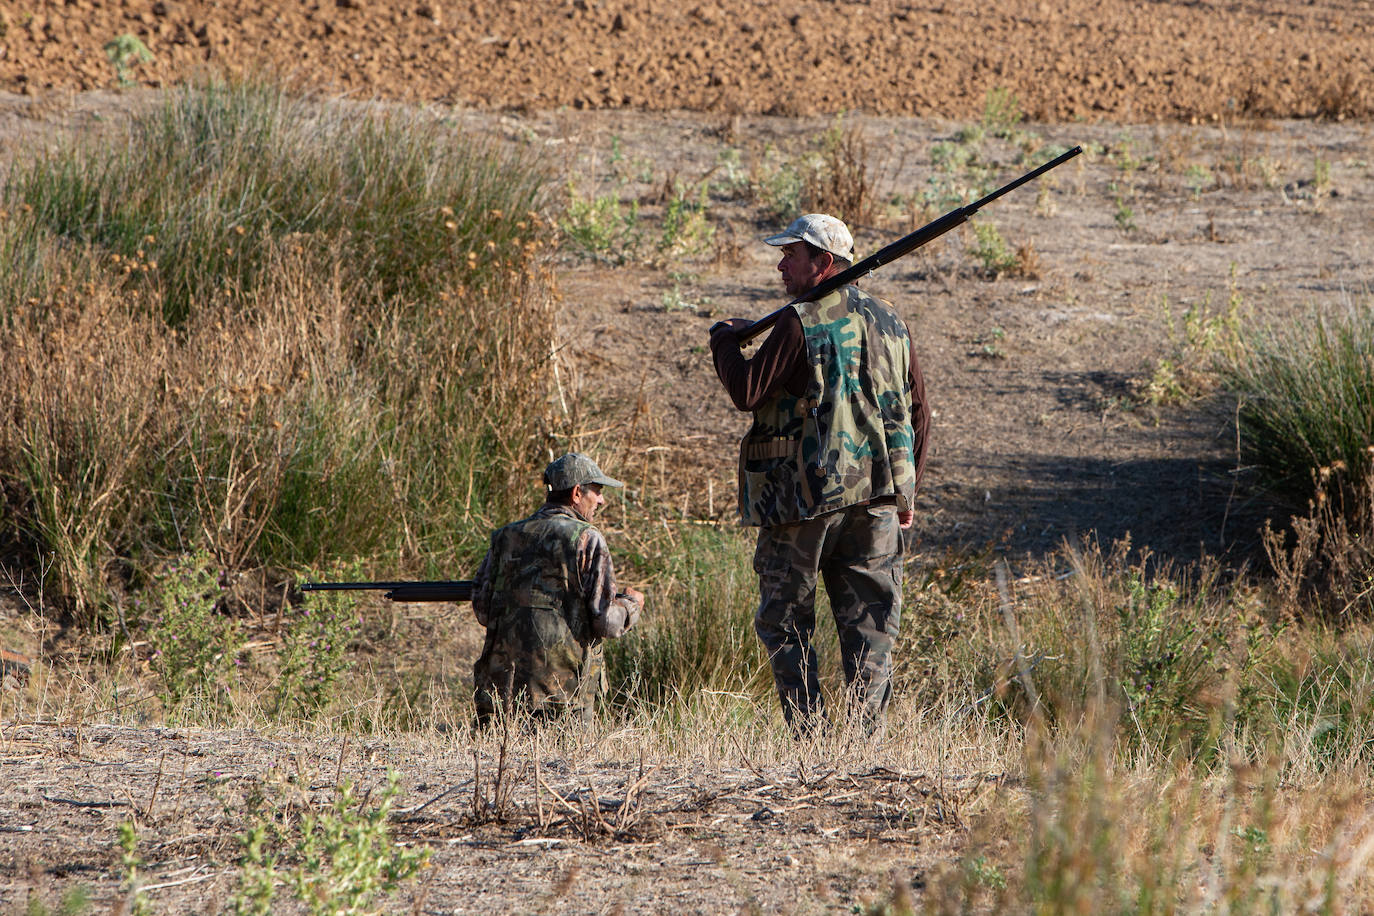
[[546, 593]]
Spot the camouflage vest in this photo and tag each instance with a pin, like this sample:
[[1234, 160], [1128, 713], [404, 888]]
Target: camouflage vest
[[539, 641], [849, 438]]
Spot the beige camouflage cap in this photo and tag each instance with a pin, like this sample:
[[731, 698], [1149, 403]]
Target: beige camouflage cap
[[825, 232], [575, 470]]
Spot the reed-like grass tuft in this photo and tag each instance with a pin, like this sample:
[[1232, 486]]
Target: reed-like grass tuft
[[203, 184], [1306, 393]]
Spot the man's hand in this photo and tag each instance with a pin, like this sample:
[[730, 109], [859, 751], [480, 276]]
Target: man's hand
[[905, 518], [637, 597], [729, 325]]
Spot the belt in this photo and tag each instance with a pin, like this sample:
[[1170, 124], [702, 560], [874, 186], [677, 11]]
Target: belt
[[780, 447]]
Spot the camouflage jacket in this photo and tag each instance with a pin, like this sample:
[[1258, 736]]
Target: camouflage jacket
[[849, 438], [546, 594]]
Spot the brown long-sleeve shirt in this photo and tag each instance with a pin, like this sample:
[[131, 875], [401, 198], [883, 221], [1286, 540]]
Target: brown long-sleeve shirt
[[780, 365]]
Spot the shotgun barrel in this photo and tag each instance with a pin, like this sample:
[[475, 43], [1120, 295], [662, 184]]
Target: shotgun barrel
[[903, 246], [452, 590]]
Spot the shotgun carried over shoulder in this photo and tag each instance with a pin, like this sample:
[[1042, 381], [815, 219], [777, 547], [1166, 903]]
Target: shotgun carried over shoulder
[[903, 246], [455, 590]]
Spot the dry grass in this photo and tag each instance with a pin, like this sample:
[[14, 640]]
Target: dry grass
[[350, 375]]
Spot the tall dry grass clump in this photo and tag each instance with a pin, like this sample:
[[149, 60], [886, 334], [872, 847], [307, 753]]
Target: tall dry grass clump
[[281, 329]]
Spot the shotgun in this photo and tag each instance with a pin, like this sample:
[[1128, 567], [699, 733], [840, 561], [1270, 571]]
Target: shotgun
[[903, 246], [455, 590]]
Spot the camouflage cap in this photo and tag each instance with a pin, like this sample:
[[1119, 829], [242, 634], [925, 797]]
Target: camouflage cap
[[575, 470], [825, 232]]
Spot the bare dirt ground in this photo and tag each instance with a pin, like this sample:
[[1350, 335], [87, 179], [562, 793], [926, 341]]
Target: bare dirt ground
[[1041, 428], [599, 834]]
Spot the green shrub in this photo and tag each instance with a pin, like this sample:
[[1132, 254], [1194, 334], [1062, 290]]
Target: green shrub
[[337, 861], [686, 229], [124, 53], [602, 228], [193, 647], [312, 657]]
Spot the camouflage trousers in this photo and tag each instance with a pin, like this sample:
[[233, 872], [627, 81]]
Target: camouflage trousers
[[858, 553]]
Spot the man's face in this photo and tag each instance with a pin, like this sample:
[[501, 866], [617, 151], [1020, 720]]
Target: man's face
[[586, 499], [800, 272]]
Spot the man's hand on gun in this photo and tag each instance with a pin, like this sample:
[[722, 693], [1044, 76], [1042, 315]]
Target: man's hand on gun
[[730, 325]]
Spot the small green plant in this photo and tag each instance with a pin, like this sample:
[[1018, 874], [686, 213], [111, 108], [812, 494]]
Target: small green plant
[[194, 646], [1321, 177], [733, 180], [1001, 113], [136, 904], [959, 175], [602, 228], [984, 873], [345, 857], [124, 53], [1202, 339], [337, 861], [991, 251], [75, 900], [1198, 178], [989, 345], [1123, 214], [1166, 661], [776, 185], [258, 882], [686, 229], [675, 300], [1124, 154]]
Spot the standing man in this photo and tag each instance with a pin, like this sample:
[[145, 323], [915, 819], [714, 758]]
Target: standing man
[[828, 470], [546, 593]]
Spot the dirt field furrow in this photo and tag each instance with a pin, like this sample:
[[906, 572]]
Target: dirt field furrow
[[1120, 60]]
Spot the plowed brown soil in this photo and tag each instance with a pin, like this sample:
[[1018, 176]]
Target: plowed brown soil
[[1069, 59]]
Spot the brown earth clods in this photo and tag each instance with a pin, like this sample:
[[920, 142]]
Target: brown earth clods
[[1070, 59]]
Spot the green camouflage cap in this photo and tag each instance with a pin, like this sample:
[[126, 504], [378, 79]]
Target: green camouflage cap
[[575, 470]]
